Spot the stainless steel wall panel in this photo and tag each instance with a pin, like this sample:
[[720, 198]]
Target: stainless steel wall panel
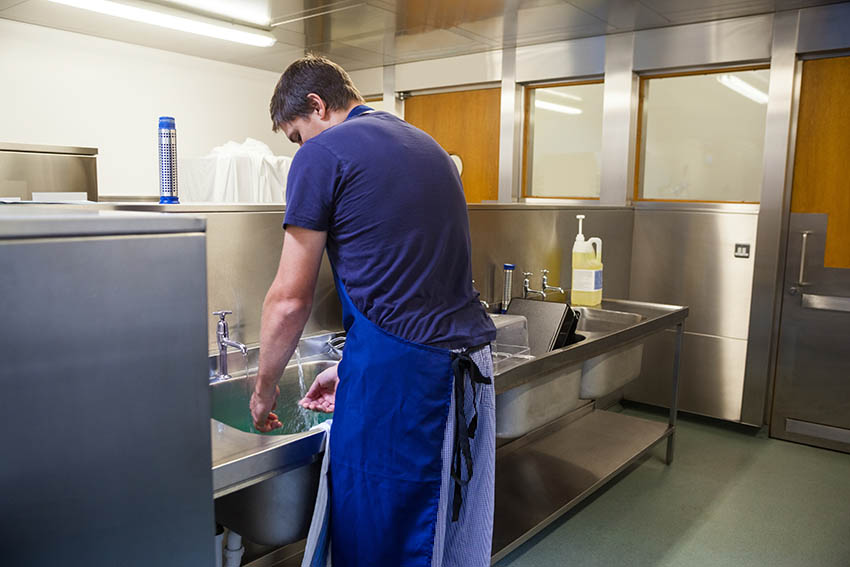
[[705, 359], [688, 258], [686, 255], [619, 113], [824, 28], [243, 252], [449, 71], [562, 60], [710, 43], [773, 215], [22, 172], [542, 237]]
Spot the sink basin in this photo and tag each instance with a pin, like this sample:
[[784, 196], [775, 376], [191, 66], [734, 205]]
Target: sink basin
[[230, 400], [594, 320], [275, 511], [603, 374]]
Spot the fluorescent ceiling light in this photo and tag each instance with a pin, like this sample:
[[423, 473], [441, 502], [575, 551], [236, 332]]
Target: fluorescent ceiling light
[[562, 95], [251, 11], [743, 88], [137, 13], [556, 107]]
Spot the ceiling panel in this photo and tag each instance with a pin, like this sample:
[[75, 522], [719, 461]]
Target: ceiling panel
[[9, 3], [622, 14], [678, 11], [554, 23], [348, 55]]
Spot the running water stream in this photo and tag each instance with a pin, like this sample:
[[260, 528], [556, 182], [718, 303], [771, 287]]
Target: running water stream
[[310, 418]]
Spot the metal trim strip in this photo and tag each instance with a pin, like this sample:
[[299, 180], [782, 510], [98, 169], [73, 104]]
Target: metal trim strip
[[38, 149], [826, 302], [809, 429]]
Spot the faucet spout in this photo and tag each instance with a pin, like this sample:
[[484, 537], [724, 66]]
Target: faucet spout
[[526, 288], [547, 287], [235, 344]]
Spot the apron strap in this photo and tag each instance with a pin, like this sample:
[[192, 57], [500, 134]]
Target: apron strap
[[462, 364]]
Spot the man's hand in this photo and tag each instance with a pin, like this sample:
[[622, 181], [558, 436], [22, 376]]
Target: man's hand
[[322, 394], [262, 404]]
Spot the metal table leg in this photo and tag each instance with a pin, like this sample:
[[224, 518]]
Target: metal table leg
[[674, 404]]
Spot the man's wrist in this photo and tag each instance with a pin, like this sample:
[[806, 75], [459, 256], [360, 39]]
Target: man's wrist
[[264, 388]]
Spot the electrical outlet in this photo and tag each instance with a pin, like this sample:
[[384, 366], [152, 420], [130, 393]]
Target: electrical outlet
[[742, 250]]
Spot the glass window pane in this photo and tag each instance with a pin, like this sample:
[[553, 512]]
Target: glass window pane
[[565, 139], [703, 136]]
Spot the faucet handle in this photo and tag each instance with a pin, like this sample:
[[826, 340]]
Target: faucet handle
[[545, 272], [222, 314], [527, 274]]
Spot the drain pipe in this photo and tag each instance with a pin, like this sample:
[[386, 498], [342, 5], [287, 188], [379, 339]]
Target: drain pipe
[[234, 550], [219, 544]]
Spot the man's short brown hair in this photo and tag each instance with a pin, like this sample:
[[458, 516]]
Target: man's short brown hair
[[310, 74]]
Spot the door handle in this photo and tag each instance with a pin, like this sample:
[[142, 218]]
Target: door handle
[[801, 277]]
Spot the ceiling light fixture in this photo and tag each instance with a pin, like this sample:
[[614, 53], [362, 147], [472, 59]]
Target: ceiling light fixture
[[163, 19], [556, 107], [743, 88]]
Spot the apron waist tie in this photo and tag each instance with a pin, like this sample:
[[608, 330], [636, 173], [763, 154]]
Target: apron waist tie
[[461, 365]]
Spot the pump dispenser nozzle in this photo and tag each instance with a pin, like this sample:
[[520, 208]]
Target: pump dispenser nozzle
[[580, 235]]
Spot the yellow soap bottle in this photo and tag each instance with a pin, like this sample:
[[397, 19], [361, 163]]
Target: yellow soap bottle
[[587, 270]]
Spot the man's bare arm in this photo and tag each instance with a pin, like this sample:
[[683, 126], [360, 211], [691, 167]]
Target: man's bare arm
[[285, 312]]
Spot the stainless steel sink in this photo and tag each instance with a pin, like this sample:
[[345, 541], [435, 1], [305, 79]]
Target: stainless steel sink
[[267, 482], [608, 372]]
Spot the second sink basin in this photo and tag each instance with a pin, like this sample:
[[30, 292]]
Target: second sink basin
[[608, 372]]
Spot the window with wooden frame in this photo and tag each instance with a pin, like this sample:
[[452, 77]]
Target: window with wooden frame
[[562, 146], [701, 135]]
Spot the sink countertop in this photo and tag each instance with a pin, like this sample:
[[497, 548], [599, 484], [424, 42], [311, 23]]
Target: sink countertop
[[240, 459]]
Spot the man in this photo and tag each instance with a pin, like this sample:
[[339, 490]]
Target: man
[[413, 438]]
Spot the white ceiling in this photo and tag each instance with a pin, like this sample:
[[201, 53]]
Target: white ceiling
[[368, 33]]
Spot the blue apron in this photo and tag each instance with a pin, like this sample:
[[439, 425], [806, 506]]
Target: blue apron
[[392, 406]]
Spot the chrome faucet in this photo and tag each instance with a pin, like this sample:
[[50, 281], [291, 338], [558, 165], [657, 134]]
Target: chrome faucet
[[526, 288], [547, 287], [224, 341]]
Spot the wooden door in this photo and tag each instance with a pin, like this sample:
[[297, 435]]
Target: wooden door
[[465, 123]]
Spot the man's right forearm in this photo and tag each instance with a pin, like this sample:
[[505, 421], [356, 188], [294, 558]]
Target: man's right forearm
[[283, 321]]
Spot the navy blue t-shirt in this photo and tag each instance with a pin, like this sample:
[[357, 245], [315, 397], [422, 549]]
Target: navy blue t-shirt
[[392, 203]]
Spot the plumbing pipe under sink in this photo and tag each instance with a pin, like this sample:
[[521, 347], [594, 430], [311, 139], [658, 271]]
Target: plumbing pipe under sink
[[233, 550]]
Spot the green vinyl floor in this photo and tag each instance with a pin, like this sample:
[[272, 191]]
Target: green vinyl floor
[[731, 497]]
